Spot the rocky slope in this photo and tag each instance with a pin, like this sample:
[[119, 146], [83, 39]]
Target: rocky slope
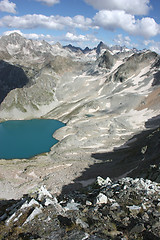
[[124, 209]]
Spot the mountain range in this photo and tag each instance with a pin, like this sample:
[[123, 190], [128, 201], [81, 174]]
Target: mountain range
[[108, 97]]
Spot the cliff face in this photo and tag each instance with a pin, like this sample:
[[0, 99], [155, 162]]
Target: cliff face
[[11, 77]]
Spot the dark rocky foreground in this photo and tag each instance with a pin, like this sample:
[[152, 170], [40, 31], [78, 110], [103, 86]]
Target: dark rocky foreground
[[124, 209]]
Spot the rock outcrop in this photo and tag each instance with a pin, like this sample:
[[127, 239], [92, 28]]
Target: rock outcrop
[[124, 209], [11, 77], [107, 60], [134, 65]]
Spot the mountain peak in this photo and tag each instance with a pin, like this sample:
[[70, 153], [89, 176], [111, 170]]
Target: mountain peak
[[13, 38], [101, 46], [15, 34], [73, 48], [101, 43]]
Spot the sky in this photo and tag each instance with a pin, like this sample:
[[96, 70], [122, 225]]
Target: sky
[[133, 23]]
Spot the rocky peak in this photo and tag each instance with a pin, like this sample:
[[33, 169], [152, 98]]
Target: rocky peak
[[107, 60], [118, 48], [13, 38], [134, 65], [101, 46], [73, 48], [86, 50], [58, 45]]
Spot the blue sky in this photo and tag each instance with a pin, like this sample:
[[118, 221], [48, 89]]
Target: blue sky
[[134, 23]]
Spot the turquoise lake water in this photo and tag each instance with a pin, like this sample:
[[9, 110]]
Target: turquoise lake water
[[25, 139]]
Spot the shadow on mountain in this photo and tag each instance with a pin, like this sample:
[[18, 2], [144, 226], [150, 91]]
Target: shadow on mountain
[[138, 157], [11, 77]]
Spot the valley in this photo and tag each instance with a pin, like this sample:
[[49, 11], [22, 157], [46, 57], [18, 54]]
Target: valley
[[104, 96]]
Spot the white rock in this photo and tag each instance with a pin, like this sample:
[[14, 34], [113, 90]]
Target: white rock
[[16, 219], [51, 201], [35, 212], [88, 203], [102, 182], [134, 208], [31, 203], [9, 219], [72, 206], [144, 207], [81, 223], [115, 205], [101, 198], [111, 200], [86, 236], [43, 192]]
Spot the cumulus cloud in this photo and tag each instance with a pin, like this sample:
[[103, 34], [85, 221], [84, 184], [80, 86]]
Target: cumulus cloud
[[49, 2], [152, 45], [70, 37], [122, 40], [52, 22], [6, 6], [107, 19], [112, 20], [135, 7], [146, 27]]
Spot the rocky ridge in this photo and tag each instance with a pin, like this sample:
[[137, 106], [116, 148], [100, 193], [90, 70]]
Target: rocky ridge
[[124, 209]]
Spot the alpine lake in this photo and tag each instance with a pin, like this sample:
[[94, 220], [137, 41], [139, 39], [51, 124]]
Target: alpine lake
[[27, 138]]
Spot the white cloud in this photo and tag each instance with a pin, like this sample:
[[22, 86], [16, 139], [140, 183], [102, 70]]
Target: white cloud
[[9, 32], [121, 40], [6, 6], [147, 42], [49, 2], [155, 47], [70, 37], [52, 22], [152, 45], [82, 22], [135, 7], [146, 27], [124, 41], [109, 20], [112, 20]]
